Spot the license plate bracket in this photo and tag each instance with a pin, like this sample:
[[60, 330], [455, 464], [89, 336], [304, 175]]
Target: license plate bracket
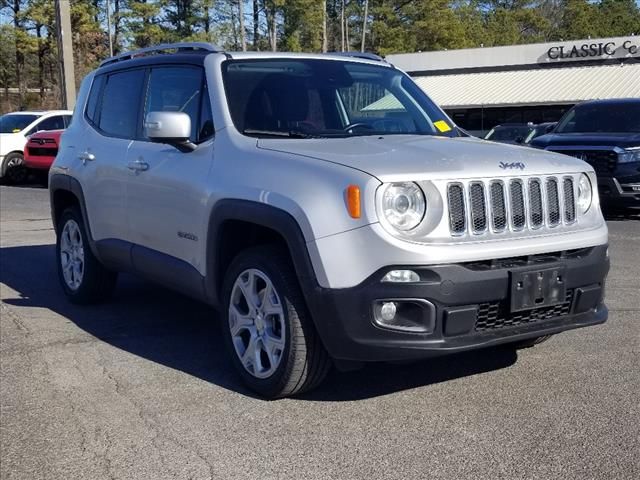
[[536, 288]]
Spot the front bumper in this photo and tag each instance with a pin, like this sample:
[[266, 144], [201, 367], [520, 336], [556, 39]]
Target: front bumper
[[622, 189], [38, 162], [470, 307]]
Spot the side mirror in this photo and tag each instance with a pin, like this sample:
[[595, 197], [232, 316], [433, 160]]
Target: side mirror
[[172, 128]]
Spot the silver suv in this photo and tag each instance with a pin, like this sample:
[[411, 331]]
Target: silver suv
[[326, 206]]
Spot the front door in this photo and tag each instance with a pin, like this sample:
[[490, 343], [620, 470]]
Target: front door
[[166, 194]]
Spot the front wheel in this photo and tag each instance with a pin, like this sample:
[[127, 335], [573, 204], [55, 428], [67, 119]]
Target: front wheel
[[14, 170], [83, 278], [267, 329]]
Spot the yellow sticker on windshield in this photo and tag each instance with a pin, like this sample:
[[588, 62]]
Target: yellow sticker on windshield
[[16, 130], [442, 126]]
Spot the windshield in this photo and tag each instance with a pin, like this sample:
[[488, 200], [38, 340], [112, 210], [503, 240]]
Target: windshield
[[16, 122], [602, 118], [303, 98], [508, 134]]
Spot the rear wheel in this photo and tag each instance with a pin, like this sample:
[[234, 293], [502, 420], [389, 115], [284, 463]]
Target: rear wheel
[[83, 278], [268, 331], [14, 170]]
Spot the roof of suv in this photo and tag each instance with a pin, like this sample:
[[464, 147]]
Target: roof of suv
[[195, 53], [41, 112]]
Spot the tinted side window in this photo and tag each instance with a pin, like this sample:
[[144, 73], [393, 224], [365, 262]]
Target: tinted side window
[[94, 98], [51, 123], [120, 103], [176, 89]]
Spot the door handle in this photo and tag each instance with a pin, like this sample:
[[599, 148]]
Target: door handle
[[86, 157], [138, 166]]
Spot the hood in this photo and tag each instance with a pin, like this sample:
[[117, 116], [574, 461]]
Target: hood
[[48, 134], [623, 140], [421, 157]]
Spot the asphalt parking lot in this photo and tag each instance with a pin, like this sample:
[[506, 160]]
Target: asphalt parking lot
[[141, 388]]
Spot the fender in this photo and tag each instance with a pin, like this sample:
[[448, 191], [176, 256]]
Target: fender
[[265, 216], [59, 181]]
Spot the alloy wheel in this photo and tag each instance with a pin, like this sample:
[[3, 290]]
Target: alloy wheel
[[72, 255], [257, 323]]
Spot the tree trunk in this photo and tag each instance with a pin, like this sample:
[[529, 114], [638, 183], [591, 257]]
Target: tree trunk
[[364, 24], [324, 26], [272, 26], [346, 34], [256, 26], [19, 55], [342, 43], [40, 62], [243, 39], [116, 25]]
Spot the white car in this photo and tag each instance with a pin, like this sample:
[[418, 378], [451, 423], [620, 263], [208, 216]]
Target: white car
[[15, 128]]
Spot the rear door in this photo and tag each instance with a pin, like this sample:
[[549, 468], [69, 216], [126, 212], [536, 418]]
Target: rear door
[[112, 114], [166, 204]]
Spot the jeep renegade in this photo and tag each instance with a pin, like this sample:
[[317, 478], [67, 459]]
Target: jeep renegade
[[325, 205]]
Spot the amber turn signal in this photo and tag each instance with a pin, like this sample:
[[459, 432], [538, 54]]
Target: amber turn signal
[[353, 201]]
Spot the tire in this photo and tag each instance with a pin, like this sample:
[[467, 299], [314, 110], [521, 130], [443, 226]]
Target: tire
[[530, 343], [84, 280], [14, 172], [297, 361]]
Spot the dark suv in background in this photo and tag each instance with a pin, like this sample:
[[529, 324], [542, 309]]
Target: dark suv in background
[[606, 134]]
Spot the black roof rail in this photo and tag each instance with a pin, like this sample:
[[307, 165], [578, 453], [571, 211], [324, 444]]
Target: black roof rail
[[363, 55], [180, 47]]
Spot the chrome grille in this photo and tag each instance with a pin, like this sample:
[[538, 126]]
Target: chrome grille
[[569, 201], [499, 208], [478, 207], [536, 215], [457, 218], [553, 202], [516, 204], [518, 217]]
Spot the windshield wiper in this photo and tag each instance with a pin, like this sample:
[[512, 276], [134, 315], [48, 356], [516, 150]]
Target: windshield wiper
[[280, 133]]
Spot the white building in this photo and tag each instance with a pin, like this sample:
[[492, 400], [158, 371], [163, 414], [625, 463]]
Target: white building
[[483, 87]]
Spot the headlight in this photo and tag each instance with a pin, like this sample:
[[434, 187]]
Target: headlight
[[403, 205], [585, 194], [629, 155]]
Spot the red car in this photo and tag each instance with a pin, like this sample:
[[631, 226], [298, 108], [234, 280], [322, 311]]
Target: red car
[[41, 149]]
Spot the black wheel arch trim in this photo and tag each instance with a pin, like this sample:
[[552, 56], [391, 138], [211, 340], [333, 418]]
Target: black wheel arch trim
[[262, 215], [62, 182]]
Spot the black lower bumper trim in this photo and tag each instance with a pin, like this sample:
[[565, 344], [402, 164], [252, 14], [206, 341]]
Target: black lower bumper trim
[[472, 307]]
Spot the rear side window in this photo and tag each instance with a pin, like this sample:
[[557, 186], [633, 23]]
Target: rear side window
[[94, 99], [118, 115], [181, 89]]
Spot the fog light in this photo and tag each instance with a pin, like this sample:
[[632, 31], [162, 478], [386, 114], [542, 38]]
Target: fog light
[[407, 314], [388, 311], [401, 276]]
